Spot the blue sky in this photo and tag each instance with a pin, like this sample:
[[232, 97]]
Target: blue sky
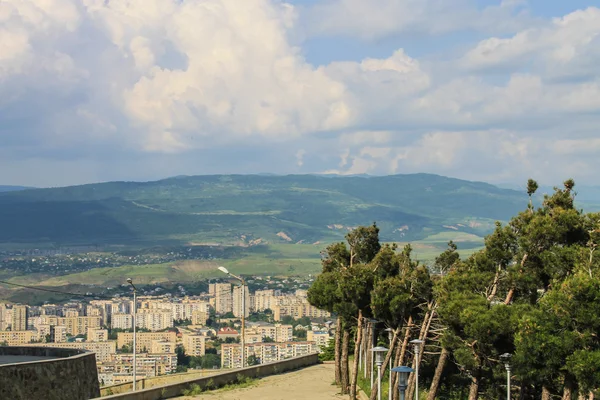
[[497, 91]]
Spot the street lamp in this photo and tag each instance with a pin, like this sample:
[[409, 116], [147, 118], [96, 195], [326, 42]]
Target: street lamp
[[379, 353], [506, 358], [373, 322], [403, 373], [417, 346], [134, 324], [243, 284], [390, 332]]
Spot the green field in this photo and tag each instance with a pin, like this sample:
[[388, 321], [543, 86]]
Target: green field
[[271, 260]]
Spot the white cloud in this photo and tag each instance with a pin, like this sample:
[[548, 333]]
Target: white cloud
[[175, 78], [567, 46]]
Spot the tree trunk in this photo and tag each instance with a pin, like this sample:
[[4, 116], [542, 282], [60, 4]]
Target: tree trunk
[[410, 391], [363, 350], [474, 388], [546, 393], [567, 393], [367, 339], [591, 396], [386, 361], [356, 350], [511, 292], [345, 381], [338, 352], [494, 285], [400, 357], [581, 396], [437, 377]]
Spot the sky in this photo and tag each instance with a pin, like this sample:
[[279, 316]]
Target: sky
[[102, 90]]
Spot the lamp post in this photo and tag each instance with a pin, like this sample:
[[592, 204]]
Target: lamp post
[[417, 346], [243, 286], [506, 358], [403, 373], [134, 335], [390, 332], [373, 322], [379, 352]]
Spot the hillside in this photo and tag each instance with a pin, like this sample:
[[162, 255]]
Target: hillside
[[247, 208], [5, 188]]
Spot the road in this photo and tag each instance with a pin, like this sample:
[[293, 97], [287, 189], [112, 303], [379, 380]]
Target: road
[[312, 383]]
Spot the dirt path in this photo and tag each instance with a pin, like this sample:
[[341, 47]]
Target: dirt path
[[312, 383]]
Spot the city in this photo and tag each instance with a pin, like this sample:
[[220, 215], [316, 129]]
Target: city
[[169, 329]]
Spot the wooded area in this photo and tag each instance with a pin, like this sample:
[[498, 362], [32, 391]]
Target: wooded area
[[532, 292]]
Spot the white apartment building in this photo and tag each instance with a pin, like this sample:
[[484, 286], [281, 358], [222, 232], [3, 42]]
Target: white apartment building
[[223, 298], [237, 301], [154, 321], [121, 321], [265, 352]]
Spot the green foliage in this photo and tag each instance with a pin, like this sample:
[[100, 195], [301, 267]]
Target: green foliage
[[328, 352], [193, 390], [252, 360]]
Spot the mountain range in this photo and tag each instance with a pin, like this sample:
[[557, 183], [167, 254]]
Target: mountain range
[[247, 209]]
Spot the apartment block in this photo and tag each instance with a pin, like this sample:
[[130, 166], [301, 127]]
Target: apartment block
[[20, 313], [161, 346], [103, 350], [121, 321], [223, 298], [194, 345], [97, 335], [199, 317], [264, 352], [144, 339], [18, 338], [154, 320], [320, 338], [237, 301]]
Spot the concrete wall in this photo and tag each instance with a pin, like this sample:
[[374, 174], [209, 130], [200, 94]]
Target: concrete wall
[[218, 380], [73, 376]]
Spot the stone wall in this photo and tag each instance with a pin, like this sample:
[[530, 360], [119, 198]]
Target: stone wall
[[218, 380], [73, 376]]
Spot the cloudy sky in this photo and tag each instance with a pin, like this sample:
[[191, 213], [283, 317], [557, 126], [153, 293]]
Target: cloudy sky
[[97, 90]]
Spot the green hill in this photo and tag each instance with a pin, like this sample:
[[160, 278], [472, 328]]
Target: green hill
[[243, 208]]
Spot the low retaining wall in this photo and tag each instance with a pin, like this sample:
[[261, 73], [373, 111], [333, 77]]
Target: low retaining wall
[[72, 376], [218, 380]]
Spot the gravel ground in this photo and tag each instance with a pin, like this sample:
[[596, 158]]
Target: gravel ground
[[312, 383]]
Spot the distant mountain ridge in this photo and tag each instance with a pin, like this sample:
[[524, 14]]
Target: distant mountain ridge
[[250, 208], [9, 188]]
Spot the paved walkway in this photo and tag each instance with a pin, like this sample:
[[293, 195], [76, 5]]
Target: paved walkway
[[312, 383]]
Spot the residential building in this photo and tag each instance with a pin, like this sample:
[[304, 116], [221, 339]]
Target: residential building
[[104, 350], [161, 346], [97, 335], [264, 352], [121, 321], [144, 339], [18, 338], [321, 338], [237, 301], [223, 298], [20, 313], [194, 345]]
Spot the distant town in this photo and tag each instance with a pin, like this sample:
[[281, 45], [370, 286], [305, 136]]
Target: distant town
[[175, 332]]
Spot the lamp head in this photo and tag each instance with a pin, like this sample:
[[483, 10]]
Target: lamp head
[[129, 281], [505, 357], [224, 270], [379, 352], [403, 373]]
